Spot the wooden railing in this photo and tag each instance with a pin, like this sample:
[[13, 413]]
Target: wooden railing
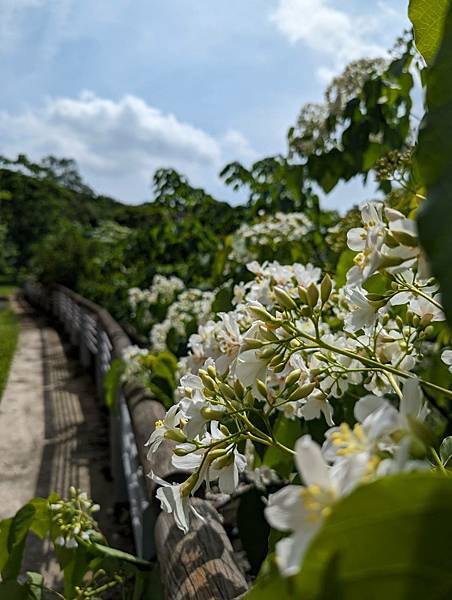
[[197, 565]]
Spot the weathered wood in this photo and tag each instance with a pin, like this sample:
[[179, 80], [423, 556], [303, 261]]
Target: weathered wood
[[200, 564]]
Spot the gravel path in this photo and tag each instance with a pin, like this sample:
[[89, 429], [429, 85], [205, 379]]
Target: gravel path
[[53, 432]]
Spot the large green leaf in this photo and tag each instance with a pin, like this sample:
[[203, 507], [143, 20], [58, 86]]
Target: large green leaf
[[428, 17], [434, 159], [388, 539], [17, 535]]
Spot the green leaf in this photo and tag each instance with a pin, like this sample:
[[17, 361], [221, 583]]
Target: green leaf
[[5, 526], [389, 539], [34, 586], [108, 552], [428, 17], [270, 585], [17, 535], [112, 383], [433, 161], [42, 518]]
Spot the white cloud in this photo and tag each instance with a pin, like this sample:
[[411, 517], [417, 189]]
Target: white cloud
[[118, 144], [333, 33]]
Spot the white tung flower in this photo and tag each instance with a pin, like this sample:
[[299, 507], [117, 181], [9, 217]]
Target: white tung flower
[[174, 500], [170, 422], [301, 510]]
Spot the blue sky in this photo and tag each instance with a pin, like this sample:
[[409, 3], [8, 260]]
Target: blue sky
[[127, 86]]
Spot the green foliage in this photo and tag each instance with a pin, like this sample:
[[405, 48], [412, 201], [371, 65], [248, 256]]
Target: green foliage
[[273, 185], [367, 114], [112, 383], [158, 373], [90, 569], [433, 160], [9, 332], [287, 431], [428, 22], [388, 539]]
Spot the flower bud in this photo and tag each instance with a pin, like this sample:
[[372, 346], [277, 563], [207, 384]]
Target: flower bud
[[181, 451], [252, 343], [212, 371], [223, 461], [325, 288], [313, 295], [176, 435], [208, 382], [238, 388], [306, 311], [302, 294], [301, 392], [267, 352], [284, 299], [261, 387], [212, 414], [260, 313], [429, 330], [279, 368], [292, 377], [224, 430], [226, 390], [267, 334], [187, 487]]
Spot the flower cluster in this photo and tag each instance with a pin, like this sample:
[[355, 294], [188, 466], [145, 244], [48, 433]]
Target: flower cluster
[[73, 518], [146, 305], [272, 231], [298, 347], [192, 306]]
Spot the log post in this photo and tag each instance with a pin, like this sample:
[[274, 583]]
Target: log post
[[200, 564]]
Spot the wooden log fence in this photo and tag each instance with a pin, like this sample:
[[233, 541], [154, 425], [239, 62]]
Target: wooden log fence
[[198, 565]]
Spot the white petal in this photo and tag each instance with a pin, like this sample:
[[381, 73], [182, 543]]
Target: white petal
[[367, 405], [411, 402], [290, 550], [310, 462], [285, 511]]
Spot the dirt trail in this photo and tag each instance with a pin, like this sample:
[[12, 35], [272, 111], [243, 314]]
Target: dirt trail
[[53, 432]]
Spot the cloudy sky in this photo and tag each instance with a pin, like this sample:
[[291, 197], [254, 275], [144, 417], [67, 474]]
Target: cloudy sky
[[127, 86]]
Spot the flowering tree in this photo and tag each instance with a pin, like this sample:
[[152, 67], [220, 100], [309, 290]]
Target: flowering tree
[[333, 399]]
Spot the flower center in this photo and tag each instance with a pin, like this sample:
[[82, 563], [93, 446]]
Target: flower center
[[349, 441], [317, 501]]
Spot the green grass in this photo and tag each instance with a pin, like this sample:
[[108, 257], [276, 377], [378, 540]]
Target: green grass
[[9, 331], [7, 290]]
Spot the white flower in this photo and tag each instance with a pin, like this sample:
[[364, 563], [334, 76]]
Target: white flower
[[361, 314], [173, 500], [302, 509], [446, 357], [226, 468], [194, 404], [170, 422], [315, 405], [250, 367]]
